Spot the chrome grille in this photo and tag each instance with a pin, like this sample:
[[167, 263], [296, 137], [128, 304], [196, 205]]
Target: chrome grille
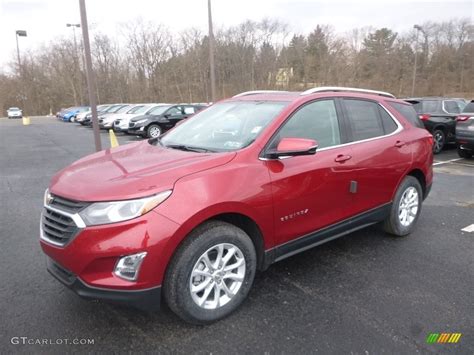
[[60, 221], [69, 206], [58, 228]]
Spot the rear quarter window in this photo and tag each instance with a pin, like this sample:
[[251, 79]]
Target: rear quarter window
[[409, 113]]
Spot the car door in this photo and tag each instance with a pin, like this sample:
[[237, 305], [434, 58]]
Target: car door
[[313, 191], [174, 115], [381, 153]]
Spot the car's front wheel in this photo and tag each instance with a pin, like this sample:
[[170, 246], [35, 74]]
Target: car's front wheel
[[439, 140], [211, 273], [406, 208], [153, 131]]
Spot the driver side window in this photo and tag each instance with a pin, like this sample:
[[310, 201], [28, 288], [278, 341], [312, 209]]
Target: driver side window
[[316, 120], [174, 111]]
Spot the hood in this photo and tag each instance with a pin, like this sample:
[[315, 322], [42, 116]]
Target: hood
[[126, 116], [131, 171]]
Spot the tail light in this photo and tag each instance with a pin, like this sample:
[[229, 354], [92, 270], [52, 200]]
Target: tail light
[[424, 117], [462, 118]]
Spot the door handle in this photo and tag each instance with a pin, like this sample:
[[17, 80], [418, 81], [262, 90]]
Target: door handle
[[341, 158], [399, 144]]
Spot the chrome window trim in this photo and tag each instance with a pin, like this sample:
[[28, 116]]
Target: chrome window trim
[[398, 130]]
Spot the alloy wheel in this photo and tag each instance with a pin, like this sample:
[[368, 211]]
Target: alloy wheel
[[408, 207], [217, 276]]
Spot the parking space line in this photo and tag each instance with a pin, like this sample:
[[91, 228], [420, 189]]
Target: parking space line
[[446, 162], [468, 229]]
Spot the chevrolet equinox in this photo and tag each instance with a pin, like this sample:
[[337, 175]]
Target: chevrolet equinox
[[192, 215]]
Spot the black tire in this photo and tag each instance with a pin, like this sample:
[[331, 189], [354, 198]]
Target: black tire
[[176, 286], [152, 129], [463, 153], [392, 223], [439, 141]]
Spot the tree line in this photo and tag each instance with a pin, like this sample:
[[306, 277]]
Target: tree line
[[145, 62]]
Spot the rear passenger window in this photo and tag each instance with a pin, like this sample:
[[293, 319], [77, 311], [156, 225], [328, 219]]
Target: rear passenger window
[[409, 113], [364, 119], [316, 120], [389, 124]]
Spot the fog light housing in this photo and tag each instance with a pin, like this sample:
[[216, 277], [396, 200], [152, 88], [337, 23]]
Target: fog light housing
[[127, 267]]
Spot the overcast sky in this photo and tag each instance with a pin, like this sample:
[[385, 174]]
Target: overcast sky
[[46, 20]]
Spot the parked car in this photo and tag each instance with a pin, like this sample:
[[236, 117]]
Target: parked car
[[160, 120], [14, 112], [81, 116], [110, 110], [106, 120], [465, 131], [62, 112], [249, 181], [439, 117], [121, 121], [70, 115]]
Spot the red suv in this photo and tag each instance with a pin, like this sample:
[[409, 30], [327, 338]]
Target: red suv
[[242, 184]]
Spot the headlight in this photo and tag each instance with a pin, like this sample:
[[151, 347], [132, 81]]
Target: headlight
[[141, 121], [111, 212]]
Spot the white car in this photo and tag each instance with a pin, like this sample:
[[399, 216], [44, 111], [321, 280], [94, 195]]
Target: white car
[[121, 122], [14, 112]]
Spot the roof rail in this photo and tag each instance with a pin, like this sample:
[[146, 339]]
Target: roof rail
[[256, 92], [341, 88]]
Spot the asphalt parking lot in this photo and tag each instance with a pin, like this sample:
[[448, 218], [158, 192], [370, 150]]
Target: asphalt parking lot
[[365, 293]]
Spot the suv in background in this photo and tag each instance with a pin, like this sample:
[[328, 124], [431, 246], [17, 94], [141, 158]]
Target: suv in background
[[465, 131], [193, 214], [439, 117], [162, 119]]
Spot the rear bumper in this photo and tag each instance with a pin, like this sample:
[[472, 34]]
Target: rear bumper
[[465, 141], [147, 299]]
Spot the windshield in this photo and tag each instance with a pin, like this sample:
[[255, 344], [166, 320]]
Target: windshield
[[114, 108], [158, 110], [226, 126], [14, 109], [136, 109], [469, 107], [123, 109]]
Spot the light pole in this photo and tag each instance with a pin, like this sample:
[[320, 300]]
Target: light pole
[[90, 75], [74, 26], [19, 33], [418, 30], [211, 54]]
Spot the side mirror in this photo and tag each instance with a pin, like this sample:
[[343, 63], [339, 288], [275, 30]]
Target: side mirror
[[291, 147]]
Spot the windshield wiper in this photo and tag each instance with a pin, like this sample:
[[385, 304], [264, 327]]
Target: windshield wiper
[[188, 148]]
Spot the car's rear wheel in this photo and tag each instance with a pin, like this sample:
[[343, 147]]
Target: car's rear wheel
[[463, 153], [406, 208], [211, 273], [439, 140]]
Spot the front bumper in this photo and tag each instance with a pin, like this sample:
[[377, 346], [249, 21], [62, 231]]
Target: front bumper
[[86, 263], [137, 130], [147, 300]]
